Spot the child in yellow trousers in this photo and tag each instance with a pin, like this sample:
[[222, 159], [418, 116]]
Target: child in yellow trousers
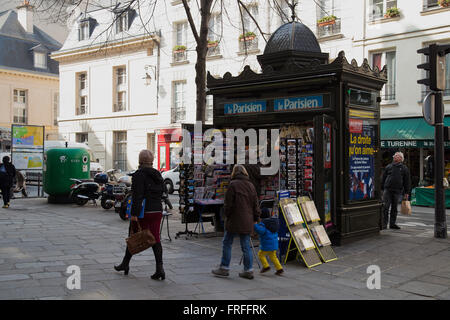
[[267, 230]]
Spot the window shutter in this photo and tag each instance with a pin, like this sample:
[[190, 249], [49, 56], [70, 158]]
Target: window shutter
[[131, 16], [79, 33], [92, 25]]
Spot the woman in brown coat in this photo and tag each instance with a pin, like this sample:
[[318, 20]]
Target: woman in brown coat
[[241, 210]]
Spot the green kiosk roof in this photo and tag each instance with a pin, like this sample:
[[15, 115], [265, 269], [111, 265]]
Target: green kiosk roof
[[408, 133]]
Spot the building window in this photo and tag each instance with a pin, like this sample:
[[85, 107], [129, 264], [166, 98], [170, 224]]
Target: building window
[[214, 35], [83, 31], [379, 7], [120, 89], [122, 22], [20, 106], [178, 105], [82, 105], [446, 92], [120, 150], [248, 40], [209, 108], [55, 108], [328, 8], [40, 60], [81, 137], [430, 4], [283, 13], [179, 50], [380, 59]]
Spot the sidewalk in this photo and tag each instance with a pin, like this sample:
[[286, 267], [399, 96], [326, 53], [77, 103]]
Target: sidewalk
[[39, 241]]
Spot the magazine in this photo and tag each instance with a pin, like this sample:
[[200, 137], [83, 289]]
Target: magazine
[[303, 239], [293, 214], [322, 235], [310, 211]]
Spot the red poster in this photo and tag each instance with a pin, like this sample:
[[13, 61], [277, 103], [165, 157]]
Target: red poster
[[355, 125]]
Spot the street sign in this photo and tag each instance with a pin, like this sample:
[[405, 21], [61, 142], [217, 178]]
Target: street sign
[[428, 108]]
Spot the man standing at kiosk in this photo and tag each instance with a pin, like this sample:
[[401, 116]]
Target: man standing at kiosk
[[395, 183]]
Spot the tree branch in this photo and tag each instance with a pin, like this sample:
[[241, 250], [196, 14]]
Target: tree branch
[[191, 21]]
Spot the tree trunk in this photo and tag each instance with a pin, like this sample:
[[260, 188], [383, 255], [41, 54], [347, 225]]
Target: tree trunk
[[200, 66]]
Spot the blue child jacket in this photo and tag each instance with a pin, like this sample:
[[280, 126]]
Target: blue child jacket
[[268, 234]]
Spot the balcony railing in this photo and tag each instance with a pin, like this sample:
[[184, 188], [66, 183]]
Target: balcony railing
[[179, 56], [445, 93], [81, 110], [329, 30], [427, 5], [213, 51], [120, 106], [388, 93], [248, 44], [178, 114]]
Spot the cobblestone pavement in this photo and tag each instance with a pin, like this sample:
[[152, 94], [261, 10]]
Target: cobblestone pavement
[[38, 241]]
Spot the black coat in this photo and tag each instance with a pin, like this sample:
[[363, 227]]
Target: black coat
[[148, 184], [7, 179]]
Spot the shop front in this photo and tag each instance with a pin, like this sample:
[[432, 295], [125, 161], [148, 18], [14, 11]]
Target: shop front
[[415, 138], [169, 145], [327, 116]]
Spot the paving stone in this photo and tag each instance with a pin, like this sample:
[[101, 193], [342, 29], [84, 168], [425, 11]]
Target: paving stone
[[423, 288], [12, 277], [45, 275], [39, 264]]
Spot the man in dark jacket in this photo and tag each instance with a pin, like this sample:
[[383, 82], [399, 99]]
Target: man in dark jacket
[[7, 174], [241, 210], [396, 182]]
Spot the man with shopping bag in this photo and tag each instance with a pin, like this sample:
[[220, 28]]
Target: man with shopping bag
[[396, 185]]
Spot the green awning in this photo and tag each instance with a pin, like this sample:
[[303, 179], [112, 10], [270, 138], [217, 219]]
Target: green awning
[[408, 133]]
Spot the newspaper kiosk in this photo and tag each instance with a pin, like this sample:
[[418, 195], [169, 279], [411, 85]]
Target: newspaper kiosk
[[328, 117]]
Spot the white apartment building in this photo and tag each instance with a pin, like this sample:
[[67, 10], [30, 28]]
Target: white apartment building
[[130, 85]]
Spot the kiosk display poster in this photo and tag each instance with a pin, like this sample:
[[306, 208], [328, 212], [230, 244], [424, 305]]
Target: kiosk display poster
[[361, 158]]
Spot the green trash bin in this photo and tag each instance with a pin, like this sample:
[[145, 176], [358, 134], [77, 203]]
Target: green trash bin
[[60, 165]]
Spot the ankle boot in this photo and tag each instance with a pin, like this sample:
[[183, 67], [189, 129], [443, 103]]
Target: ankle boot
[[157, 251], [124, 266], [159, 274]]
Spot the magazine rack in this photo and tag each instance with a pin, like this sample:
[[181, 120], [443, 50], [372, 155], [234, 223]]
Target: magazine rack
[[316, 229], [300, 243]]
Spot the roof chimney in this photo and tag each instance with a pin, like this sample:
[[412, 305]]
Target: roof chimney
[[25, 16]]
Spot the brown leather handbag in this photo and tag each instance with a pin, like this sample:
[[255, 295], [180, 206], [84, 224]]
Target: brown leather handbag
[[140, 241]]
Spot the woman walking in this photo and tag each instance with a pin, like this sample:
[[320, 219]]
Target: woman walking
[[7, 174], [241, 210], [148, 184]]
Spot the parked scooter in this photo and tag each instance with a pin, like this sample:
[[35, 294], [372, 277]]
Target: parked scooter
[[107, 197], [84, 190]]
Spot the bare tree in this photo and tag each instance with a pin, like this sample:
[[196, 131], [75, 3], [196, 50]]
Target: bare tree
[[63, 10]]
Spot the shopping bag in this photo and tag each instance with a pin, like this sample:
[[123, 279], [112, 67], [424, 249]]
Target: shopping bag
[[406, 208], [140, 241]]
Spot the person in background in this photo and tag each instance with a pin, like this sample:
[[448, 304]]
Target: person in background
[[241, 210], [7, 174], [148, 184], [267, 230], [395, 182]]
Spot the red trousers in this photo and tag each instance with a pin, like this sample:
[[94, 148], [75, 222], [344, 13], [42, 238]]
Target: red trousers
[[152, 222]]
